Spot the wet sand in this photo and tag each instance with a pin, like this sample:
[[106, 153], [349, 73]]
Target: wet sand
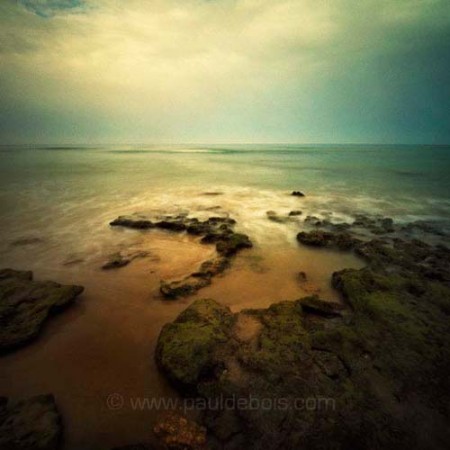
[[104, 344]]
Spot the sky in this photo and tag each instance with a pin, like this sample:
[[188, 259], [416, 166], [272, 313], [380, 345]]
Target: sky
[[224, 71]]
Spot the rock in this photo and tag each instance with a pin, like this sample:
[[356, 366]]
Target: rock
[[298, 194], [34, 423], [185, 348], [196, 281], [176, 432], [115, 261], [313, 220], [184, 287], [315, 305], [172, 225], [212, 267], [121, 259], [302, 277], [134, 221], [26, 304], [319, 238], [274, 217], [295, 213], [231, 244]]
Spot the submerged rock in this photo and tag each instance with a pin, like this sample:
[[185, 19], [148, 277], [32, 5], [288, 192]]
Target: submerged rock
[[295, 213], [26, 304], [298, 194], [34, 423]]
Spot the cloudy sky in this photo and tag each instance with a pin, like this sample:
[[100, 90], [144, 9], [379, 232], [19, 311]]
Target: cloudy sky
[[130, 71]]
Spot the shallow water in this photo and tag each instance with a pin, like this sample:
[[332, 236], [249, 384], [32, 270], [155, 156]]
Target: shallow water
[[56, 206]]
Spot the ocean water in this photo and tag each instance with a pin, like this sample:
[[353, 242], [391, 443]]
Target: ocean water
[[56, 193]]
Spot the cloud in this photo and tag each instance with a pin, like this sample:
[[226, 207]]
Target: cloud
[[224, 69], [48, 8]]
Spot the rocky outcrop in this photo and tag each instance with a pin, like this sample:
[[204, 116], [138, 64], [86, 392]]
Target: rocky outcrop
[[34, 423], [374, 371], [197, 280], [26, 304], [214, 230]]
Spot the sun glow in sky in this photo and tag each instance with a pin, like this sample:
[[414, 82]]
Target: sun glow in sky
[[86, 71]]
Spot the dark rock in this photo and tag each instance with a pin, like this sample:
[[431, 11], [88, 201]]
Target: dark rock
[[313, 220], [119, 259], [295, 213], [298, 194], [274, 217], [34, 423], [196, 281], [184, 287], [315, 305], [319, 238], [212, 194], [302, 276], [134, 221], [26, 304], [315, 238], [115, 261], [171, 225], [230, 244]]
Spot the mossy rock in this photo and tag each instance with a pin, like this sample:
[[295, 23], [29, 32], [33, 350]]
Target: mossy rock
[[185, 349]]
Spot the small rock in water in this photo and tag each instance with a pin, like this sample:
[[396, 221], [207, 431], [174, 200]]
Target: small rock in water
[[295, 213], [34, 423], [302, 276], [298, 194]]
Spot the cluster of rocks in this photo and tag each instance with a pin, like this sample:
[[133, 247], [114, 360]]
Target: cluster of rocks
[[25, 305], [214, 230], [380, 361]]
